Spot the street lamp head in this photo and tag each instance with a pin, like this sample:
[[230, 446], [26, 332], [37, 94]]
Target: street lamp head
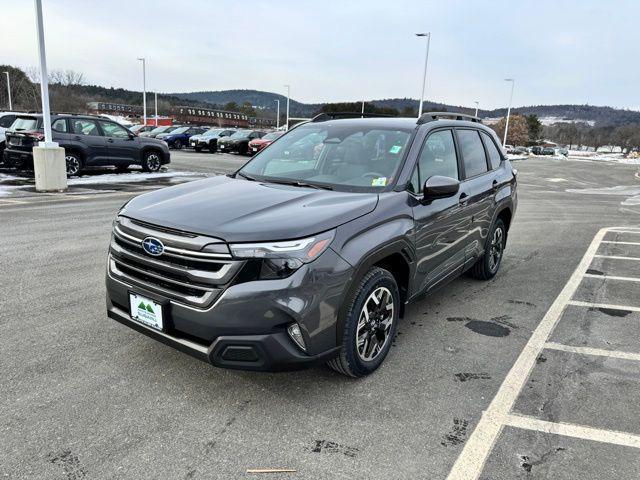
[[423, 34], [141, 59], [509, 80]]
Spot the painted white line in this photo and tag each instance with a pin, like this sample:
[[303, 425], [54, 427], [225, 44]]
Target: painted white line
[[624, 231], [616, 257], [612, 277], [471, 461], [603, 305], [593, 351], [576, 431], [620, 243]]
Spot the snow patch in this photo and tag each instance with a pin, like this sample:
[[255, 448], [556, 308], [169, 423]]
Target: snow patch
[[128, 177]]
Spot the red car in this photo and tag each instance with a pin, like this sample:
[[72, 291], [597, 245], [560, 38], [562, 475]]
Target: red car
[[258, 144]]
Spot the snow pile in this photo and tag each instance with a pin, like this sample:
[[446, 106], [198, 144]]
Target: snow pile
[[128, 177]]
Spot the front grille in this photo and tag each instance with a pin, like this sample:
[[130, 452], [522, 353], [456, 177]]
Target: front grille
[[183, 273]]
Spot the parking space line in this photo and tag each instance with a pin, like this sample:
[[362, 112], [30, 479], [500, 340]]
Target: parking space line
[[613, 277], [614, 230], [592, 351], [616, 257], [620, 243], [470, 462], [576, 431], [608, 306]]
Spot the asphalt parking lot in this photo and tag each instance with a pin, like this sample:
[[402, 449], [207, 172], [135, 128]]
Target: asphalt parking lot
[[535, 374]]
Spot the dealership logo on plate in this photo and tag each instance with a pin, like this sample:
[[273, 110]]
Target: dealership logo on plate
[[153, 246]]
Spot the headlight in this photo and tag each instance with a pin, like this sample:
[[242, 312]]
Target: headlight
[[280, 259]]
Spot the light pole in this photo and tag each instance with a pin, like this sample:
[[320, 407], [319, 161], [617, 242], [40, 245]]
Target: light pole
[[144, 90], [363, 108], [506, 126], [9, 89], [155, 95], [424, 76], [288, 95], [278, 115], [477, 105], [49, 163]]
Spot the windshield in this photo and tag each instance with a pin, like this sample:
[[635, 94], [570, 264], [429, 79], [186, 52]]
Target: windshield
[[24, 123], [180, 130], [272, 136], [160, 129], [333, 154], [241, 134], [135, 128], [213, 131]]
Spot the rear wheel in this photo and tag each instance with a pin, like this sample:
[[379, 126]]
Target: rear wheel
[[151, 161], [370, 325], [177, 144], [487, 266], [74, 163]]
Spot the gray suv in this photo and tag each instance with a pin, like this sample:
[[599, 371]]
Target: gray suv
[[310, 252]]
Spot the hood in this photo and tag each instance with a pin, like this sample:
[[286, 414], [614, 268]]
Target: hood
[[196, 137], [232, 140], [238, 210]]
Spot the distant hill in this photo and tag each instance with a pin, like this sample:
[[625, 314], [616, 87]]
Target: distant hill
[[600, 116]]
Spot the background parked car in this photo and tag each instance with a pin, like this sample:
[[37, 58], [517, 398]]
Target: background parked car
[[548, 151], [6, 119], [259, 143], [537, 150], [88, 141], [239, 141], [158, 130], [179, 138], [138, 129], [209, 139]]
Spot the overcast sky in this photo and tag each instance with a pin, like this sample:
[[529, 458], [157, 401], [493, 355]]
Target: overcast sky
[[581, 51]]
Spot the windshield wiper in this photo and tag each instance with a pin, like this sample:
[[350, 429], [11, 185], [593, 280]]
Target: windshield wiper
[[298, 183], [244, 175]]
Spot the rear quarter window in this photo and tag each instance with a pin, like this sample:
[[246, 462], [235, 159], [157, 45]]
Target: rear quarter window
[[494, 155]]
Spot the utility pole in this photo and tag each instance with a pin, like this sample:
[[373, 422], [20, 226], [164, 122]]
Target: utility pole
[[155, 94], [288, 95], [506, 127], [9, 90], [477, 105], [424, 75], [363, 109], [144, 90], [49, 163], [278, 115]]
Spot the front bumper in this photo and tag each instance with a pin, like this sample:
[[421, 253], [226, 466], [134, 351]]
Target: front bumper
[[246, 326]]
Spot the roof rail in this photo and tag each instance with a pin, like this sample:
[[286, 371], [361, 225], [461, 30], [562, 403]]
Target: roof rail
[[323, 117], [431, 116]]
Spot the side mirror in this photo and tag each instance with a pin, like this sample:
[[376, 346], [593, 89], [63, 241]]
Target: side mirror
[[439, 187]]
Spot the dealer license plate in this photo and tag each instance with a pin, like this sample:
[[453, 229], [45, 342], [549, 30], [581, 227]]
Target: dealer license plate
[[145, 311]]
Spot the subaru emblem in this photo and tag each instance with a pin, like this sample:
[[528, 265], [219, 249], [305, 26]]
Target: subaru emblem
[[153, 246]]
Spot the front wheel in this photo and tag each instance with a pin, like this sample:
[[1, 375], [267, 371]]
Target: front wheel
[[197, 149], [74, 163], [487, 266], [370, 325], [151, 162]]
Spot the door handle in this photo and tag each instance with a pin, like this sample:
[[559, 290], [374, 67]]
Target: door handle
[[495, 185], [463, 199], [110, 140], [77, 137]]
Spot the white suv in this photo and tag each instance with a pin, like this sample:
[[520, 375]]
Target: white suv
[[6, 120]]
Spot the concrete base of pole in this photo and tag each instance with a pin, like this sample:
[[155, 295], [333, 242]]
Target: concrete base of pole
[[50, 169]]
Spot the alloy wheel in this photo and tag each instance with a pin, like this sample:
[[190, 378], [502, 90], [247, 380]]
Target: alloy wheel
[[374, 324], [73, 164], [496, 248], [153, 162]]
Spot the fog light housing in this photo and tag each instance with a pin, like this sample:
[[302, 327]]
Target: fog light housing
[[296, 335]]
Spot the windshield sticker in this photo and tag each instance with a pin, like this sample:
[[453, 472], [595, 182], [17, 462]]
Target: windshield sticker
[[379, 182], [395, 149]]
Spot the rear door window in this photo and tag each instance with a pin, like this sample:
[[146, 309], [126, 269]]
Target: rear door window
[[473, 156], [24, 123], [84, 127], [494, 155]]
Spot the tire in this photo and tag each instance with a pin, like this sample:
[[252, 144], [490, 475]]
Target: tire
[[213, 146], [488, 265], [151, 161], [177, 144], [197, 149], [74, 163], [359, 356]]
